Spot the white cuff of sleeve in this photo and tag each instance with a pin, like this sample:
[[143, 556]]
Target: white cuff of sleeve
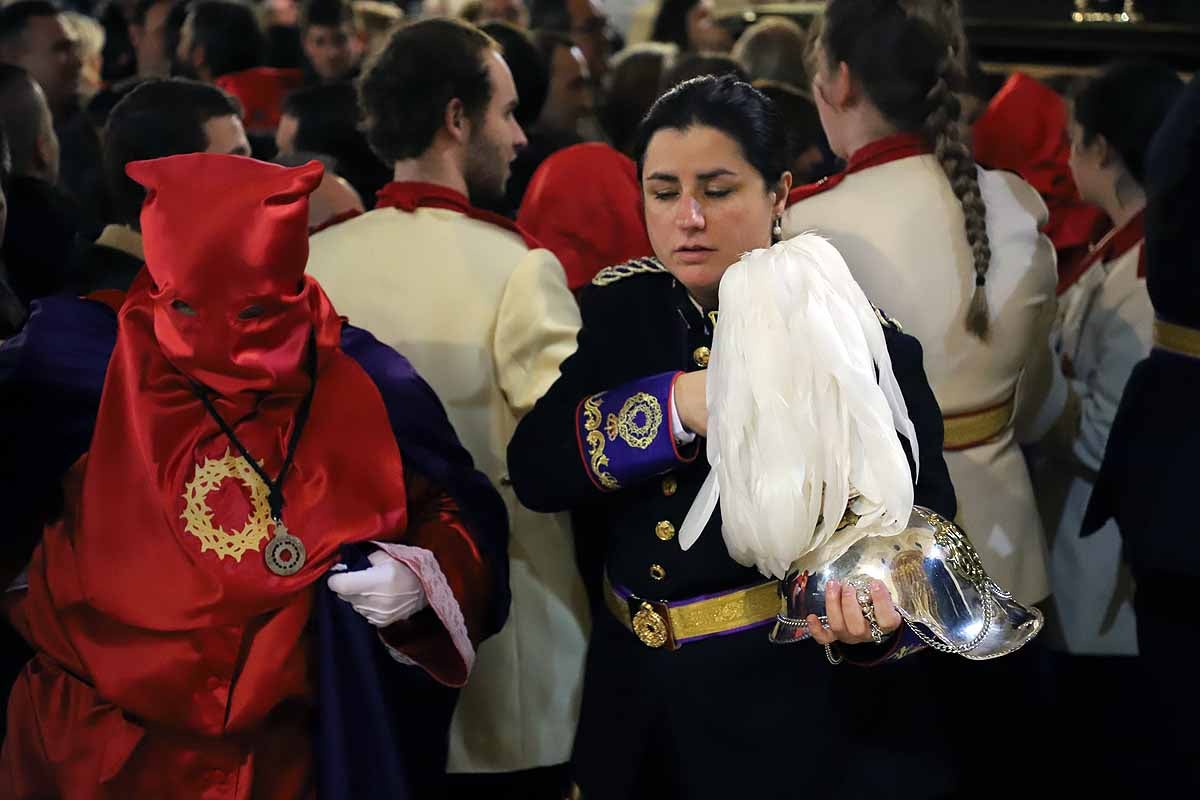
[[681, 434]]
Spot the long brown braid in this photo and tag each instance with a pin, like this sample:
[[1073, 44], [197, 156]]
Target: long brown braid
[[908, 55], [943, 127]]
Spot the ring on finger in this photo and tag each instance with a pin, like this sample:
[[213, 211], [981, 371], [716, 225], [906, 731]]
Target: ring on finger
[[863, 596]]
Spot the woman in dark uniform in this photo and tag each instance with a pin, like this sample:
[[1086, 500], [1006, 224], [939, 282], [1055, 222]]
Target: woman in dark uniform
[[684, 696]]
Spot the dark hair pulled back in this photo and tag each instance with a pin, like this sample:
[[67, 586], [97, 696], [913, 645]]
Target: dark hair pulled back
[[733, 107]]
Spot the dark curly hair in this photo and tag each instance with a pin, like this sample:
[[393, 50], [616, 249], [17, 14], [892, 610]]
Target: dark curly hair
[[405, 89]]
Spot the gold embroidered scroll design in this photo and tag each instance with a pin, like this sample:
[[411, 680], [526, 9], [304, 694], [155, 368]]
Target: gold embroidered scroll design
[[595, 441]]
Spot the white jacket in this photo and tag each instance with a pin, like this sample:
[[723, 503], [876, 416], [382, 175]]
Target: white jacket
[[487, 322], [900, 228], [1106, 328]]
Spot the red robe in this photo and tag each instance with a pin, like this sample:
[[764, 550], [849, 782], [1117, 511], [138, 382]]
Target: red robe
[[170, 661]]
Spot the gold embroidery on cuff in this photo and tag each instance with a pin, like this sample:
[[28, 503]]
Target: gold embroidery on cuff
[[626, 425], [595, 441]]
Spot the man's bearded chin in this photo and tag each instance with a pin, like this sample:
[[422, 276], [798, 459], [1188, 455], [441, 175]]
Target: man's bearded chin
[[486, 189], [486, 178]]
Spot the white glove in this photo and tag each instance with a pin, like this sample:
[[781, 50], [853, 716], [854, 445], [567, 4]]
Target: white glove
[[386, 592]]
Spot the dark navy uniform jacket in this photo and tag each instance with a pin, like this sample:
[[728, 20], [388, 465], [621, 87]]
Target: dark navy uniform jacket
[[600, 443], [721, 716]]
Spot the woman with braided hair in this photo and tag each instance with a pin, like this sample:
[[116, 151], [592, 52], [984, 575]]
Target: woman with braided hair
[[952, 251]]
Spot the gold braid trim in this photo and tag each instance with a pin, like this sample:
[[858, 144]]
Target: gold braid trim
[[1178, 339], [638, 266], [595, 441]]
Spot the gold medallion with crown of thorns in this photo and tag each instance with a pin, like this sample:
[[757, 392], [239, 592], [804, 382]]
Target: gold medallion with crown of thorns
[[197, 516]]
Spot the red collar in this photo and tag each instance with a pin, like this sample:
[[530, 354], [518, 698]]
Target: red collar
[[881, 151], [1115, 244], [411, 195], [336, 219]]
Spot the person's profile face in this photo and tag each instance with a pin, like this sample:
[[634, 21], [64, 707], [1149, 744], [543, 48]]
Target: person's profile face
[[496, 137], [52, 58], [150, 41], [1087, 163], [569, 98]]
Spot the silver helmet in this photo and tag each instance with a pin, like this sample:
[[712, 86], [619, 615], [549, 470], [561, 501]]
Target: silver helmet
[[937, 582]]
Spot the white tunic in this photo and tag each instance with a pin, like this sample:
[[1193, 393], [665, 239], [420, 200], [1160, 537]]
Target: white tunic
[[900, 228], [1106, 328], [486, 322]]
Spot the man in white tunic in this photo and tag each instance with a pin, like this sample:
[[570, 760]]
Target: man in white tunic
[[487, 318]]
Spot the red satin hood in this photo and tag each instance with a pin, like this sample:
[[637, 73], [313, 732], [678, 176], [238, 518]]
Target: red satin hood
[[225, 235], [584, 204], [1024, 130], [155, 575]]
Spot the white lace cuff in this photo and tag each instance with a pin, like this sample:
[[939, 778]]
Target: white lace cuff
[[441, 599]]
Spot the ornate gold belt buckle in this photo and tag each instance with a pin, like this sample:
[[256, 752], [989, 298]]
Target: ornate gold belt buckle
[[651, 623]]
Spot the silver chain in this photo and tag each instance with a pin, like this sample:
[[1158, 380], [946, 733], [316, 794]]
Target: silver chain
[[942, 647]]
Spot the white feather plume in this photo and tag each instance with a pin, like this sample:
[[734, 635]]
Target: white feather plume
[[797, 417]]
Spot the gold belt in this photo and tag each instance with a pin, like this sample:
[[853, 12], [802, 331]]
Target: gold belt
[[1177, 339], [674, 623], [963, 431]]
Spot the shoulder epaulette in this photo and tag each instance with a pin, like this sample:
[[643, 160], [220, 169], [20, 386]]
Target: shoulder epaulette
[[885, 320], [638, 266]]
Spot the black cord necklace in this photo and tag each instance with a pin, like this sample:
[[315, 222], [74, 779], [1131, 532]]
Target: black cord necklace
[[285, 553]]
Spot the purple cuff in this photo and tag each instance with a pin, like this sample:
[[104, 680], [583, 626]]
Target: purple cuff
[[904, 643], [624, 434]]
